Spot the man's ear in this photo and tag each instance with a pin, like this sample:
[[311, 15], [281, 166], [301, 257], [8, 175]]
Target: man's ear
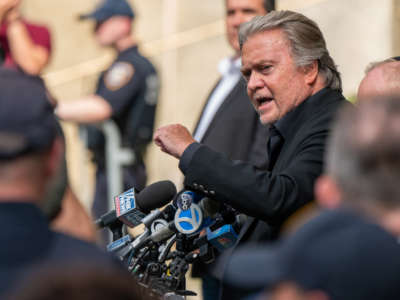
[[311, 72], [327, 192]]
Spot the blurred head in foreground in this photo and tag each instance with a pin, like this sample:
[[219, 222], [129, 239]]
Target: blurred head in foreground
[[82, 282]]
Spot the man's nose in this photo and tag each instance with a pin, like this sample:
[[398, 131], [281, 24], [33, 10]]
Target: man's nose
[[238, 19], [254, 81]]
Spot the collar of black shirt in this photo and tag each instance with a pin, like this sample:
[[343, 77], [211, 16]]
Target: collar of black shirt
[[285, 124]]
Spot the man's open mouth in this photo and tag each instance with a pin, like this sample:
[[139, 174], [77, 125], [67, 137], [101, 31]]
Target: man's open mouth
[[262, 100]]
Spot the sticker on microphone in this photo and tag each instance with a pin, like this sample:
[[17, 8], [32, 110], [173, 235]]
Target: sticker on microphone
[[185, 200]]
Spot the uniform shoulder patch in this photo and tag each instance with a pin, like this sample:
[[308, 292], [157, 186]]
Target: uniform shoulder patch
[[119, 75]]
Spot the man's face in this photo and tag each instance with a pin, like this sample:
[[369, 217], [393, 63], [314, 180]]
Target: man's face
[[238, 12], [110, 31], [275, 84]]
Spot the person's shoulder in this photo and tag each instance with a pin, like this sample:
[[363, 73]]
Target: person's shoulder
[[35, 26], [328, 99], [70, 248], [139, 61], [325, 106]]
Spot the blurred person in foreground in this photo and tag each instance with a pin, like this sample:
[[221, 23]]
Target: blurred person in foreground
[[27, 47], [381, 81], [77, 282], [294, 85], [381, 78], [350, 252], [31, 151], [228, 123], [126, 93]]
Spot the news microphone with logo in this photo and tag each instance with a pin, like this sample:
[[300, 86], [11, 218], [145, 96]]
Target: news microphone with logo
[[223, 237], [226, 236], [166, 214], [131, 207], [195, 211], [190, 220], [163, 231], [119, 243]]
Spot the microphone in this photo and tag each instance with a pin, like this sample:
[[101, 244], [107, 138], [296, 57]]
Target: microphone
[[195, 218], [226, 236], [190, 220], [223, 237], [163, 232], [167, 214], [186, 197], [107, 220], [195, 211], [119, 243], [130, 207]]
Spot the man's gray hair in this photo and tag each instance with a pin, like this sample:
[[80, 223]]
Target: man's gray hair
[[363, 153], [376, 64], [305, 38]]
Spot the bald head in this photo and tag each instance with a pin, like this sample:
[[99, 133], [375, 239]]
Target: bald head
[[382, 80]]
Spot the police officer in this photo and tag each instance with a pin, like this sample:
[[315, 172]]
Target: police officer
[[31, 154], [126, 93]]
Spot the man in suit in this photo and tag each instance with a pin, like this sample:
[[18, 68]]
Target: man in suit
[[228, 123], [294, 85]]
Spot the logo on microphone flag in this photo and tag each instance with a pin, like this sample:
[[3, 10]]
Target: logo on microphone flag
[[188, 221], [126, 210]]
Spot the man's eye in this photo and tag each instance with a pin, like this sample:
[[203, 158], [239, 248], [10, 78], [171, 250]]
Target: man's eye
[[266, 68], [246, 75], [249, 11]]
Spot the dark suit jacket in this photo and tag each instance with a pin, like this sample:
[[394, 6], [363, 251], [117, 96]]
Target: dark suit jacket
[[270, 197], [236, 132]]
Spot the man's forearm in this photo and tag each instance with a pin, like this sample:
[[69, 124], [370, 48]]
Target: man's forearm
[[89, 109], [31, 58]]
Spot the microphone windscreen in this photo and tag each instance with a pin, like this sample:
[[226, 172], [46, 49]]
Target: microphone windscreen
[[155, 195], [210, 207]]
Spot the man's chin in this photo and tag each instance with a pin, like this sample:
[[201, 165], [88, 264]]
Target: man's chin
[[267, 120]]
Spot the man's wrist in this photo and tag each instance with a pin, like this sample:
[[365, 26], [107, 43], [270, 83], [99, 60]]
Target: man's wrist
[[187, 156]]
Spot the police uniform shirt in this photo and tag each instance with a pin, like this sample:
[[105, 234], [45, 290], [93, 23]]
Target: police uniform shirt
[[130, 86], [131, 81]]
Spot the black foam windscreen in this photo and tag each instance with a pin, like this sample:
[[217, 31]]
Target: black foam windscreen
[[156, 195]]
